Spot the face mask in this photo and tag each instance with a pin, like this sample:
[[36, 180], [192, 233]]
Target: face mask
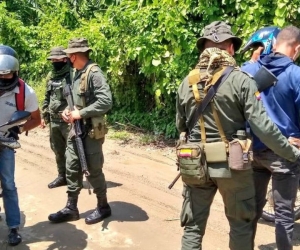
[[58, 65], [9, 84]]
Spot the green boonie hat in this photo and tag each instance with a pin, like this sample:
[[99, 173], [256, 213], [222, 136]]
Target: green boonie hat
[[218, 32], [57, 53], [77, 45]]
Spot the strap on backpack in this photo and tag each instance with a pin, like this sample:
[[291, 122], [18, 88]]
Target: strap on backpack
[[20, 97]]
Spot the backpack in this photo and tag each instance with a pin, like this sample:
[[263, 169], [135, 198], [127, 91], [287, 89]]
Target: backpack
[[20, 97]]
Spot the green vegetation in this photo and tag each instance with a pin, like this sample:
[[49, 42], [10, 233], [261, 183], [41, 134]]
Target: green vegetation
[[146, 47], [119, 135]]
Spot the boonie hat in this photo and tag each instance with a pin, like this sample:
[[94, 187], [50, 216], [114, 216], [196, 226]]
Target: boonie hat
[[77, 45], [57, 53], [217, 32]]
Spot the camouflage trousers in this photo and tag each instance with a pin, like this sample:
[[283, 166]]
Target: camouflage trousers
[[95, 160], [58, 141], [239, 200]]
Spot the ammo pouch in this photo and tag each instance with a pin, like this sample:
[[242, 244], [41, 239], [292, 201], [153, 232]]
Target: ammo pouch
[[192, 163], [240, 156], [99, 128], [216, 152]]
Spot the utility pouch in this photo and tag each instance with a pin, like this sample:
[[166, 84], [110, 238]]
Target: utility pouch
[[216, 152], [240, 156], [99, 128], [192, 163]]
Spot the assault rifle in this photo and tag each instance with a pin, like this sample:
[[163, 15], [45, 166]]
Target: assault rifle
[[78, 132]]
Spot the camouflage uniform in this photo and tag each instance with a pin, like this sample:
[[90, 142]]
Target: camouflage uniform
[[54, 103], [235, 103], [98, 102]]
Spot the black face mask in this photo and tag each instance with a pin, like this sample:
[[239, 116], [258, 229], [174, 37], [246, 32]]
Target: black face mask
[[57, 66], [70, 63], [9, 84]]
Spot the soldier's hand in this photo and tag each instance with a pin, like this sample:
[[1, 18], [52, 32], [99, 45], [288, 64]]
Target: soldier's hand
[[74, 115], [43, 124], [65, 115]]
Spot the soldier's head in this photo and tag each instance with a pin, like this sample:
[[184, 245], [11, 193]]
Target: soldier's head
[[58, 58], [78, 52], [218, 34], [288, 42], [9, 68]]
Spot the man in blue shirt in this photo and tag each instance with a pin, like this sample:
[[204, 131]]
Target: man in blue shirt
[[282, 103]]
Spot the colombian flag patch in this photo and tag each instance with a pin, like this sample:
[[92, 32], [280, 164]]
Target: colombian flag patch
[[185, 152]]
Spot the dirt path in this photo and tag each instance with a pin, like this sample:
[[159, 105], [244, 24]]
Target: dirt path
[[145, 212]]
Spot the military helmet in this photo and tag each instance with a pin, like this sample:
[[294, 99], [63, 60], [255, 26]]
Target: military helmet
[[8, 63], [265, 37]]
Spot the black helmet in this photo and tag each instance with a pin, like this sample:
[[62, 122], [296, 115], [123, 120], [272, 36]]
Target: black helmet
[[265, 37], [8, 63]]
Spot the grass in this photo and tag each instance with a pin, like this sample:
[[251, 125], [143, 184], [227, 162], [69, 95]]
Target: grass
[[119, 135], [146, 139]]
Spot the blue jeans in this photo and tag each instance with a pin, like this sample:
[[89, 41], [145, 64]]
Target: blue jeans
[[285, 182], [10, 195]]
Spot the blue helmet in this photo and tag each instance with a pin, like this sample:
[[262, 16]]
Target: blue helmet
[[265, 37]]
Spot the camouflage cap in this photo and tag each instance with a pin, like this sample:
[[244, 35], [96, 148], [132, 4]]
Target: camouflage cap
[[77, 45], [218, 32], [57, 53]]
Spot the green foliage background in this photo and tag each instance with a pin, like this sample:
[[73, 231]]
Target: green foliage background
[[146, 47]]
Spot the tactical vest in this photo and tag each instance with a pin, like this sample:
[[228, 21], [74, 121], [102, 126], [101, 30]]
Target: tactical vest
[[57, 102], [98, 124]]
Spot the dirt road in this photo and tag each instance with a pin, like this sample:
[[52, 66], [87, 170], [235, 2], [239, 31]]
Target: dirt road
[[145, 212]]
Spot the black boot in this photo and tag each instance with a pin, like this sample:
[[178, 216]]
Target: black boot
[[101, 212], [14, 238], [69, 213], [59, 181]]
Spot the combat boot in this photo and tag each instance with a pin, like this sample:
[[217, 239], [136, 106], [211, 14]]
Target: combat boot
[[101, 212], [59, 181], [69, 213]]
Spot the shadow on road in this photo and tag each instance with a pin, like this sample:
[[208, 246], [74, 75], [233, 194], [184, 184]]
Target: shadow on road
[[109, 184], [122, 211], [271, 246], [45, 235]]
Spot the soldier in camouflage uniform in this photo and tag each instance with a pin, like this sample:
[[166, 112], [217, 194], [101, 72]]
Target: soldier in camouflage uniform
[[53, 105], [91, 104], [235, 103]]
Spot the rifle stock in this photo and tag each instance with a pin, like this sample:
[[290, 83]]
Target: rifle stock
[[174, 181]]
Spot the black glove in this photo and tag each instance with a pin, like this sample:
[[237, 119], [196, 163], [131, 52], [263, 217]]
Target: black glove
[[14, 132]]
